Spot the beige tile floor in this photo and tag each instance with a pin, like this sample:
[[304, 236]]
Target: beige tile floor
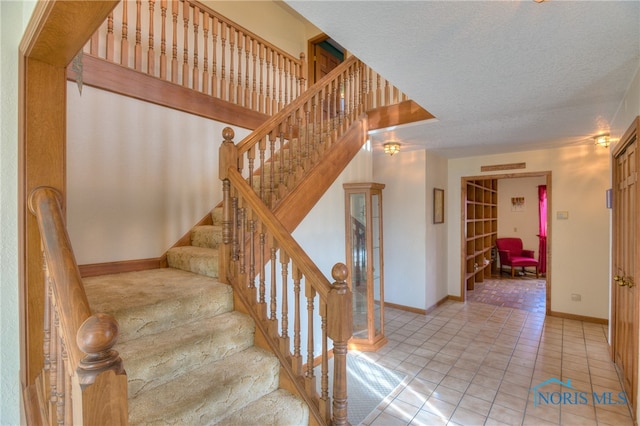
[[476, 364]]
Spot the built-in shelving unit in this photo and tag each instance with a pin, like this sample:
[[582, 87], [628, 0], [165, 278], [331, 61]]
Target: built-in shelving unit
[[481, 229]]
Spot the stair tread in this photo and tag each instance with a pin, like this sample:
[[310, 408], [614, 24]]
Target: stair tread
[[208, 392], [199, 260], [140, 301], [209, 236], [162, 356], [277, 408]]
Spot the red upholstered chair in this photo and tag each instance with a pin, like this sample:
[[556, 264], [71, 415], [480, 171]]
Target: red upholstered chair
[[511, 254]]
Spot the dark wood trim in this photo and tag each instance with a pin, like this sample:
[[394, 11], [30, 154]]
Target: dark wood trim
[[56, 32], [394, 115], [578, 317], [500, 167], [124, 81], [96, 269]]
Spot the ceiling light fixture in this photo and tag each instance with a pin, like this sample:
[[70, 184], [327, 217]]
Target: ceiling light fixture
[[602, 140], [391, 148]]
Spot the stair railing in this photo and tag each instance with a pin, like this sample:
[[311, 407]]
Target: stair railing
[[187, 43], [296, 308], [277, 155], [83, 380]]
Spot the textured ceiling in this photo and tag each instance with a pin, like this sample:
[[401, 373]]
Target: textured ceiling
[[499, 76]]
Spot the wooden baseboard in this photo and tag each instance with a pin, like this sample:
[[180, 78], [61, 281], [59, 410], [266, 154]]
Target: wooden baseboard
[[418, 310], [455, 298], [95, 269], [579, 317]]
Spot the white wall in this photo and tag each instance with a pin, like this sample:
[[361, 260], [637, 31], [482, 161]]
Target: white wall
[[136, 184], [414, 248], [13, 20], [580, 245], [523, 223]]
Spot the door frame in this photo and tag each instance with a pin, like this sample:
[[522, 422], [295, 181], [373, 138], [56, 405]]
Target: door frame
[[311, 58], [464, 180], [625, 140]]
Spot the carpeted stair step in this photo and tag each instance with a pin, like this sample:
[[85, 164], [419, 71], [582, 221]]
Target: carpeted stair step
[[277, 408], [148, 302], [208, 236], [157, 358], [199, 260], [209, 392]]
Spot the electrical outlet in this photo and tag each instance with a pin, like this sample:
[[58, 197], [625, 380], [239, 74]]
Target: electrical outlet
[[576, 297]]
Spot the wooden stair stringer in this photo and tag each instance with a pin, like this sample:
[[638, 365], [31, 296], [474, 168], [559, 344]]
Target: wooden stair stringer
[[298, 203]]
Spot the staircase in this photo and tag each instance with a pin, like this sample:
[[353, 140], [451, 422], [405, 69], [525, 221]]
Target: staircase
[[190, 358]]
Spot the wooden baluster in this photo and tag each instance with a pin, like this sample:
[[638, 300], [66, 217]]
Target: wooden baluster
[[261, 98], [340, 330], [310, 378], [110, 43], [68, 412], [324, 403], [296, 359], [232, 43], [254, 90], [163, 40], [396, 95], [234, 204], [252, 260], [150, 53], [247, 52], [315, 131], [286, 81], [185, 46], [262, 306], [137, 50], [378, 97], [262, 146], [239, 88], [303, 74], [284, 334], [224, 257], [60, 397], [269, 55], [273, 320], [124, 42], [174, 48], [195, 72], [274, 64], [228, 159], [387, 94], [280, 82], [251, 156], [307, 135], [223, 77], [54, 352], [272, 170], [205, 59], [282, 151], [242, 226], [214, 53]]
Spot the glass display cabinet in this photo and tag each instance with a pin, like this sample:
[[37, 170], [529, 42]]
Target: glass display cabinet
[[363, 205]]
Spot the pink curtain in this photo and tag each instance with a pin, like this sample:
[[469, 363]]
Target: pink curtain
[[542, 222]]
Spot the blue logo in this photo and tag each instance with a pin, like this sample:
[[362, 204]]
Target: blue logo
[[568, 395]]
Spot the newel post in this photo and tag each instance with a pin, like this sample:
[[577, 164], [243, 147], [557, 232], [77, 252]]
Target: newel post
[[340, 330], [101, 375], [228, 157]]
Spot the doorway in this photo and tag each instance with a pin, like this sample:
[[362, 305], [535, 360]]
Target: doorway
[[324, 55], [492, 281]]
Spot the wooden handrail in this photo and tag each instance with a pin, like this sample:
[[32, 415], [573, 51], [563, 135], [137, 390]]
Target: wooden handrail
[[319, 282], [78, 345]]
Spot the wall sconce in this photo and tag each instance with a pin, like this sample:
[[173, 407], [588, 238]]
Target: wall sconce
[[391, 148], [602, 140]]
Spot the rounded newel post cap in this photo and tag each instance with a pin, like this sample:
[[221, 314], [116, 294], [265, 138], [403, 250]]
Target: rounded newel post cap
[[228, 134], [339, 272], [97, 334]]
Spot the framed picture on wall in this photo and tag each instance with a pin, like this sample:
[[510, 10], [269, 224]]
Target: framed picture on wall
[[438, 205]]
